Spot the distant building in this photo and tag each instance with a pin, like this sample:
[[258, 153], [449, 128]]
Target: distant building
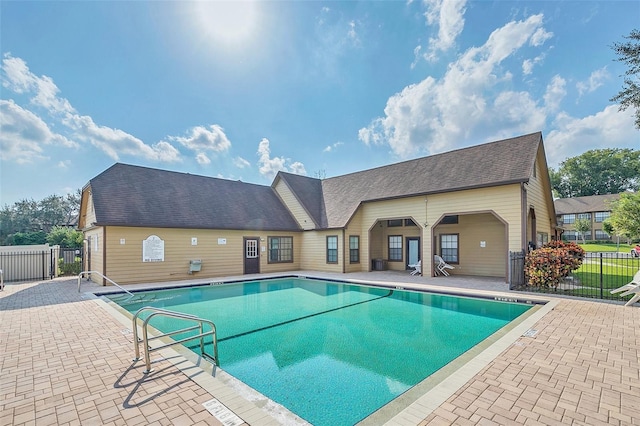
[[595, 208]]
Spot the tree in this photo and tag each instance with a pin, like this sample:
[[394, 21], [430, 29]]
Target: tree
[[65, 237], [625, 215], [597, 172], [629, 53], [29, 216], [582, 225]]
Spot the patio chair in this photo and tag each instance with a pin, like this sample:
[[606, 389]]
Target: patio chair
[[636, 295], [417, 268], [442, 266], [633, 287]]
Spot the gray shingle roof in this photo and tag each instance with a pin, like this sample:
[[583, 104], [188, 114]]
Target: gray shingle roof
[[139, 196], [589, 204], [495, 163]]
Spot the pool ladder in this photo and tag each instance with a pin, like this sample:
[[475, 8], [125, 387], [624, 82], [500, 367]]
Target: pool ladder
[[200, 322]]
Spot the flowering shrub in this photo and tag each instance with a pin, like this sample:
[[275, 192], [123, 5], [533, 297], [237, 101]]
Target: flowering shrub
[[548, 265]]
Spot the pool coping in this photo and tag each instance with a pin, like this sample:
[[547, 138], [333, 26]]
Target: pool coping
[[410, 408]]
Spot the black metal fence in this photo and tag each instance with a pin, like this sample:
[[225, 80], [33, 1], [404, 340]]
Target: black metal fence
[[599, 274], [41, 264], [27, 265]]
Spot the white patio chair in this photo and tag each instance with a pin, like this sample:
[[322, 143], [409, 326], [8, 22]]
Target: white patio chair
[[442, 266], [417, 268], [633, 287]]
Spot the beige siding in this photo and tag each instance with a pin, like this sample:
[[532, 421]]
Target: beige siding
[[314, 256], [539, 198], [482, 244], [494, 206], [374, 224], [95, 252], [296, 209], [503, 201], [125, 265], [354, 228], [87, 212]]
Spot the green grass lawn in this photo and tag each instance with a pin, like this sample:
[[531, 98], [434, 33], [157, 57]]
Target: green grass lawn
[[599, 274], [609, 247]]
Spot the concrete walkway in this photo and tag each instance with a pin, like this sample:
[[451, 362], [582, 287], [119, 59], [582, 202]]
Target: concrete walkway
[[66, 359]]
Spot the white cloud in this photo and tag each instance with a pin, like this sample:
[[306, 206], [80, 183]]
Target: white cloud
[[595, 80], [269, 167], [332, 147], [24, 134], [540, 37], [528, 64], [115, 142], [17, 77], [609, 128], [449, 16], [555, 93], [435, 115], [200, 138], [202, 159], [64, 164], [241, 163]]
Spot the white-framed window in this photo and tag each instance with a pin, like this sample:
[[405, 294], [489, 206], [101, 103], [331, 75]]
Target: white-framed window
[[354, 249], [332, 249], [395, 248], [568, 218], [449, 248], [601, 216], [280, 249]]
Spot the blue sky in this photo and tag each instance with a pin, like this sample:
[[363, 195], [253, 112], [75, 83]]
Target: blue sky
[[242, 90]]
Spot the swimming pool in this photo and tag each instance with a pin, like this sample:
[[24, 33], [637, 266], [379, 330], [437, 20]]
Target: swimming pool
[[332, 352]]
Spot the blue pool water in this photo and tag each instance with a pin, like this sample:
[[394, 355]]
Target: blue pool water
[[332, 352]]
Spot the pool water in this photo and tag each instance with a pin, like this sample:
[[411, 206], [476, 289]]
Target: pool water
[[332, 352]]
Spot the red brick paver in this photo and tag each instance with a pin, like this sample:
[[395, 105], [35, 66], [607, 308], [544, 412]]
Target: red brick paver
[[65, 360], [582, 368]]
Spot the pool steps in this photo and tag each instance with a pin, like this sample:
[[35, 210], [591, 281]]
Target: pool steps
[[200, 322]]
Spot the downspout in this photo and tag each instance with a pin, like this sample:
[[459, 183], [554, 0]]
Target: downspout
[[104, 255], [344, 257], [523, 212]]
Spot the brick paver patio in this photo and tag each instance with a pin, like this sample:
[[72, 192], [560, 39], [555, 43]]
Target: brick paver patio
[[66, 360]]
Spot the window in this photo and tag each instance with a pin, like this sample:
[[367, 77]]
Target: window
[[601, 235], [354, 249], [543, 238], [395, 248], [584, 216], [394, 222], [280, 249], [568, 218], [332, 249], [449, 220], [601, 216], [409, 222], [449, 248], [570, 236]]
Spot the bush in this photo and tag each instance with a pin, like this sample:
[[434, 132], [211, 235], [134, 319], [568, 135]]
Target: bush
[[548, 265], [69, 268]]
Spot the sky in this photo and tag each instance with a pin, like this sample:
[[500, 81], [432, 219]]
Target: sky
[[242, 90]]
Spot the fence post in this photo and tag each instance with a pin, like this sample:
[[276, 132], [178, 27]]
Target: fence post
[[601, 275]]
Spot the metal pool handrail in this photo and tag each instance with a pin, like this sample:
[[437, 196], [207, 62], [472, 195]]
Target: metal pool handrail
[[164, 312], [106, 278]]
